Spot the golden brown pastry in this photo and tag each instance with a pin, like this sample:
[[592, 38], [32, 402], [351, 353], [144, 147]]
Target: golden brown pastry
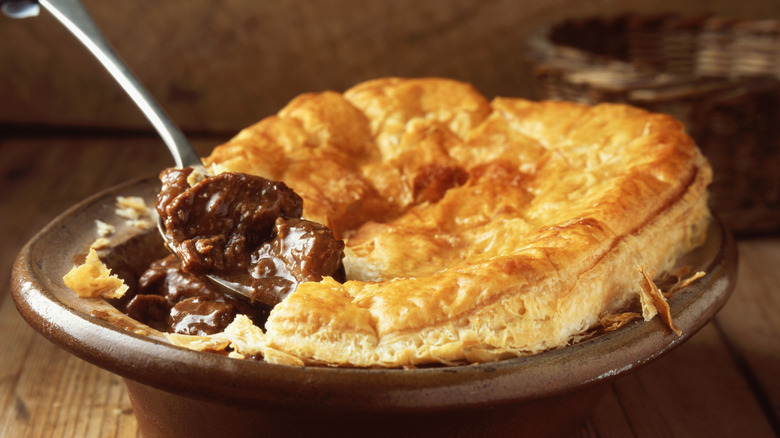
[[474, 230]]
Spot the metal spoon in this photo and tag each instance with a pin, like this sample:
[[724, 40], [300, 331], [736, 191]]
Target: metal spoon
[[73, 15]]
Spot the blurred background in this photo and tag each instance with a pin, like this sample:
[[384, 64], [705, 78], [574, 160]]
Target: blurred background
[[217, 66]]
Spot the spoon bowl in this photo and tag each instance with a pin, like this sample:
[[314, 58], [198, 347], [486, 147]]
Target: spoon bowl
[[237, 291]]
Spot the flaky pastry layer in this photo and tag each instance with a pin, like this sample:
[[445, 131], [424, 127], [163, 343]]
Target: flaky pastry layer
[[476, 230]]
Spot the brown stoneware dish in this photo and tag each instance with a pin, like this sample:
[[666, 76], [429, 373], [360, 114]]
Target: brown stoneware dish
[[178, 392]]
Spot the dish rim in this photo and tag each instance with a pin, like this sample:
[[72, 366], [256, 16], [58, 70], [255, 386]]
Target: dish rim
[[253, 383]]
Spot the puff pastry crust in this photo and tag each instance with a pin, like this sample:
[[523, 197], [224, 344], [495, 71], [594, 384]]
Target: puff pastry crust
[[475, 230]]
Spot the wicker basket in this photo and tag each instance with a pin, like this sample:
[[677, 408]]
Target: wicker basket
[[719, 76]]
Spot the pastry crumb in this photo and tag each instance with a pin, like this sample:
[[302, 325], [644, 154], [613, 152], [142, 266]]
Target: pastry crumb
[[135, 211], [100, 242], [104, 229], [93, 279]]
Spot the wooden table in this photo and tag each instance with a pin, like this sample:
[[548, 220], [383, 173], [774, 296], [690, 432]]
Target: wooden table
[[722, 383]]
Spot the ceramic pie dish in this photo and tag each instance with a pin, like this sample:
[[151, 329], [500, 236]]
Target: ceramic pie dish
[[180, 392]]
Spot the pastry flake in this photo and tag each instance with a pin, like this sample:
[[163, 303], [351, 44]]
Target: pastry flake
[[93, 279]]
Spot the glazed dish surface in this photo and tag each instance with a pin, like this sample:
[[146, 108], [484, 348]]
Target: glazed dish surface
[[474, 230]]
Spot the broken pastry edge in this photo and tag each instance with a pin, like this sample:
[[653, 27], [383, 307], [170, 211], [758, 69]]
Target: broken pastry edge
[[688, 222], [689, 236], [241, 338]]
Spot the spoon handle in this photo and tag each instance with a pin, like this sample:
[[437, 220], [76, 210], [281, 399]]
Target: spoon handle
[[73, 15]]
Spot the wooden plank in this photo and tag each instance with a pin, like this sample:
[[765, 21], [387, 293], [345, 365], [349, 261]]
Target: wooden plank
[[750, 321], [45, 391], [608, 419], [694, 390]]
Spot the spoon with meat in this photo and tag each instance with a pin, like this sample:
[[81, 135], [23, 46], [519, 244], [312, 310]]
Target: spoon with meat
[[242, 232]]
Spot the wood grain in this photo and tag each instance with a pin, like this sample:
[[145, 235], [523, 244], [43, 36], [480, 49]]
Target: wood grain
[[750, 324], [45, 391]]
